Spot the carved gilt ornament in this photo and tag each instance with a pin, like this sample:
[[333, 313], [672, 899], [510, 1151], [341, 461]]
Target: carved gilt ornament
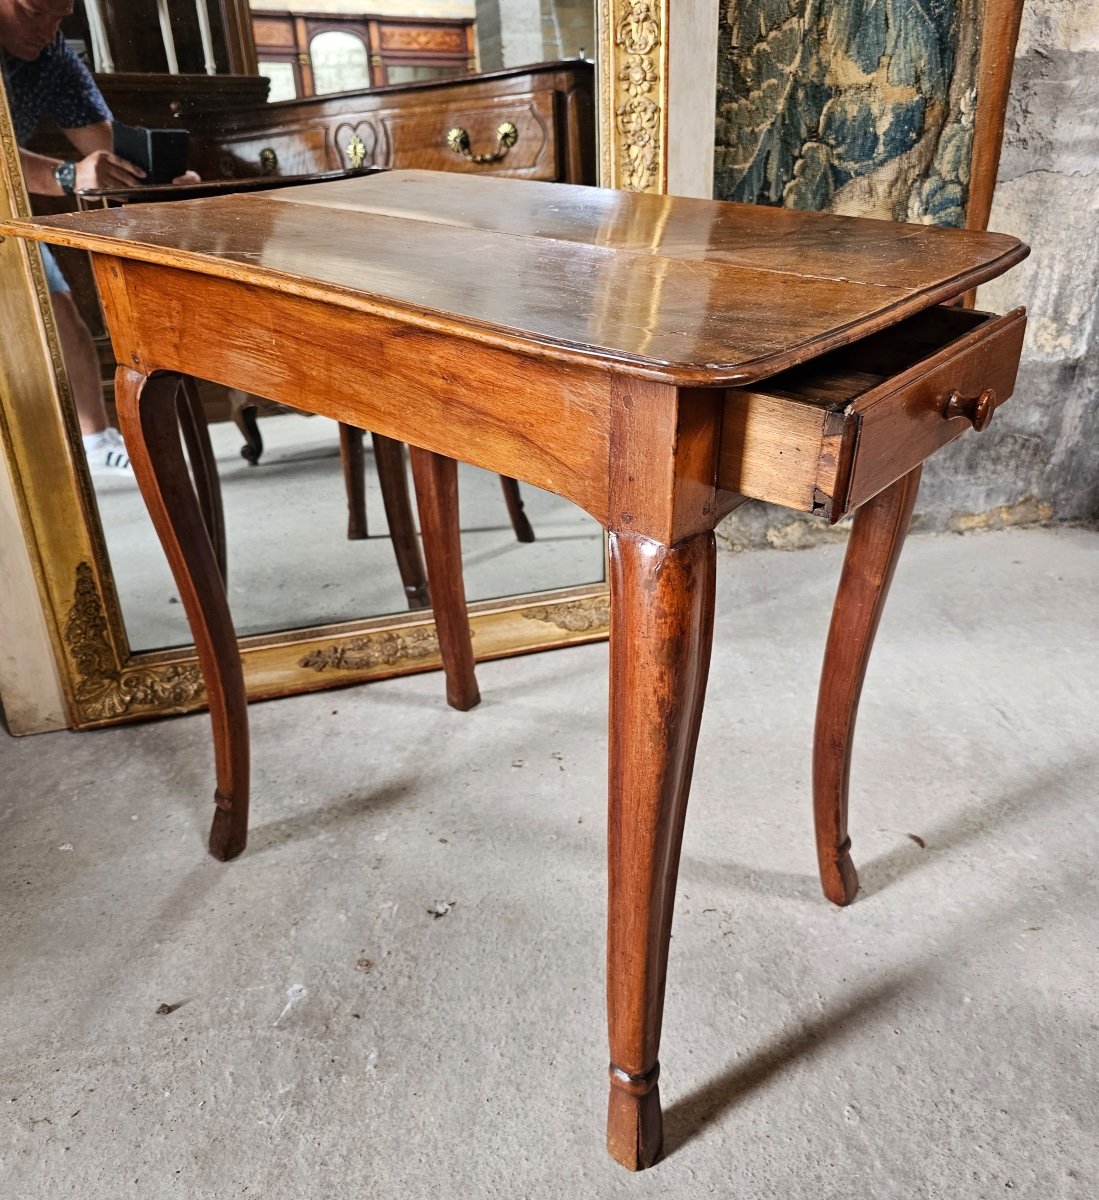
[[102, 689]]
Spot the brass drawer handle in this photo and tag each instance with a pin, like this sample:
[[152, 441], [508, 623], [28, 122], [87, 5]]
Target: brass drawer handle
[[977, 410], [458, 140]]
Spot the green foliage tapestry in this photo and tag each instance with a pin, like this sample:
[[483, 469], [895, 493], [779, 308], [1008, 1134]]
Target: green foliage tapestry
[[852, 106]]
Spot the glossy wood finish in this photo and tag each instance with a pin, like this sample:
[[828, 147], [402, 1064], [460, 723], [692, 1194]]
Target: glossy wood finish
[[662, 288], [585, 342], [873, 550], [287, 37], [389, 462]]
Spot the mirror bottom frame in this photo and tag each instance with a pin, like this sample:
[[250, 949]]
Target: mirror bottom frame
[[169, 682]]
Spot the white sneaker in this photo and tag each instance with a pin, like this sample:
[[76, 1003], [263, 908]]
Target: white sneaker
[[106, 454]]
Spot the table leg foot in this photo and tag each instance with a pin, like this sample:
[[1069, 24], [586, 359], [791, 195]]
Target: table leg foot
[[228, 834], [877, 538], [838, 876], [635, 1126]]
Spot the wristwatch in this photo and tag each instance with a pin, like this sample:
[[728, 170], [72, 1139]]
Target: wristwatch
[[65, 174]]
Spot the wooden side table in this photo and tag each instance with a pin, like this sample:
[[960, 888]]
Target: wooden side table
[[654, 360]]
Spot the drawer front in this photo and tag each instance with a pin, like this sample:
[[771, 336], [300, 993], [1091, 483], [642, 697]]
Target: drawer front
[[473, 138], [300, 152], [827, 436], [902, 422]]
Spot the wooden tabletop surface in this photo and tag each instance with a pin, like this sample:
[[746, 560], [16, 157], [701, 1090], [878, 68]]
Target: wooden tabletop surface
[[685, 291]]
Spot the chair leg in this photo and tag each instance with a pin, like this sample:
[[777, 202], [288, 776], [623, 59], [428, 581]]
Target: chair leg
[[354, 480], [204, 471], [514, 502], [436, 480], [389, 460], [662, 610], [877, 537], [244, 418], [145, 405]]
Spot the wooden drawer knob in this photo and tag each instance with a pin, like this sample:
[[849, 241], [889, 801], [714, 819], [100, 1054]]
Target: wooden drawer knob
[[977, 410], [506, 137]]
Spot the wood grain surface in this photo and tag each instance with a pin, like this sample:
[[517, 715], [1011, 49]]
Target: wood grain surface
[[683, 291]]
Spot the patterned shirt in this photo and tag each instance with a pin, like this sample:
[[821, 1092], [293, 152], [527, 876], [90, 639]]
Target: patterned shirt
[[56, 84]]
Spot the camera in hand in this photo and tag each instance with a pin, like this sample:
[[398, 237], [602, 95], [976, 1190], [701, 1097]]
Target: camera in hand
[[160, 153]]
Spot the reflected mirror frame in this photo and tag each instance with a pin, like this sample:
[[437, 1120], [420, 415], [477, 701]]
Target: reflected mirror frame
[[104, 683]]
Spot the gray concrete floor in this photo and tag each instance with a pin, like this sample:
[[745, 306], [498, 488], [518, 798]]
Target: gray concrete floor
[[332, 1039]]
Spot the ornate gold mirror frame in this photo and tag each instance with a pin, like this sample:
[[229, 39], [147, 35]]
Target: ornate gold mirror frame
[[102, 681]]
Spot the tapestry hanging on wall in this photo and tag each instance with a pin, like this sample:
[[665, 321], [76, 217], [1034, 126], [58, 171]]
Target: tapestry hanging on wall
[[862, 107]]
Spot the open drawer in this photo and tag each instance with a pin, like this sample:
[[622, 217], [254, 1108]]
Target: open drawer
[[826, 436]]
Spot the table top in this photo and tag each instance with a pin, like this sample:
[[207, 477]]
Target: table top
[[679, 290]]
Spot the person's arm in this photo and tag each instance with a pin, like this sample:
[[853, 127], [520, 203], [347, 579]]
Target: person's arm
[[98, 170], [98, 139], [38, 173], [90, 138]]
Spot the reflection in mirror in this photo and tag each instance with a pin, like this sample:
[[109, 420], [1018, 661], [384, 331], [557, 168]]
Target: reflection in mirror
[[290, 562], [284, 85], [339, 63]]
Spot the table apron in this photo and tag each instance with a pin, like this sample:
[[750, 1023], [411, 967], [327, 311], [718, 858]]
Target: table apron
[[545, 423]]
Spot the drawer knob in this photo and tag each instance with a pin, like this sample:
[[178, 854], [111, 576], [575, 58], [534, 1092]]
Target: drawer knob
[[977, 410], [506, 137]]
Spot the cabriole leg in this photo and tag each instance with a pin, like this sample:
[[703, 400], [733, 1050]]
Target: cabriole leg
[[662, 606], [147, 415], [877, 537]]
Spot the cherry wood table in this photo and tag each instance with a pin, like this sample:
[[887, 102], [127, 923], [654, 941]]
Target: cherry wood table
[[654, 360]]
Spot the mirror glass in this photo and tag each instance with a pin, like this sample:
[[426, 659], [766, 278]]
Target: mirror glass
[[339, 62], [287, 501]]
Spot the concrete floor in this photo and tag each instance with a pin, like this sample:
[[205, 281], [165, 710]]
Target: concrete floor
[[333, 1039]]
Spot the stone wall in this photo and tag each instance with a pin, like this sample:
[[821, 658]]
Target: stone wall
[[1039, 460]]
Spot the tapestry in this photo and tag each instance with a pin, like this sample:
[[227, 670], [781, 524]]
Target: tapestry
[[863, 107]]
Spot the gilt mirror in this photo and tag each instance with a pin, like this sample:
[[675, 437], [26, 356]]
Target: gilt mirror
[[501, 85]]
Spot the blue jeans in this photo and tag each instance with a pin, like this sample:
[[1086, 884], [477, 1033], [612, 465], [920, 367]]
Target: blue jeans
[[55, 281]]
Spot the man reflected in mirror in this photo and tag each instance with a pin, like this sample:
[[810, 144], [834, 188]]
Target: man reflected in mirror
[[44, 77]]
